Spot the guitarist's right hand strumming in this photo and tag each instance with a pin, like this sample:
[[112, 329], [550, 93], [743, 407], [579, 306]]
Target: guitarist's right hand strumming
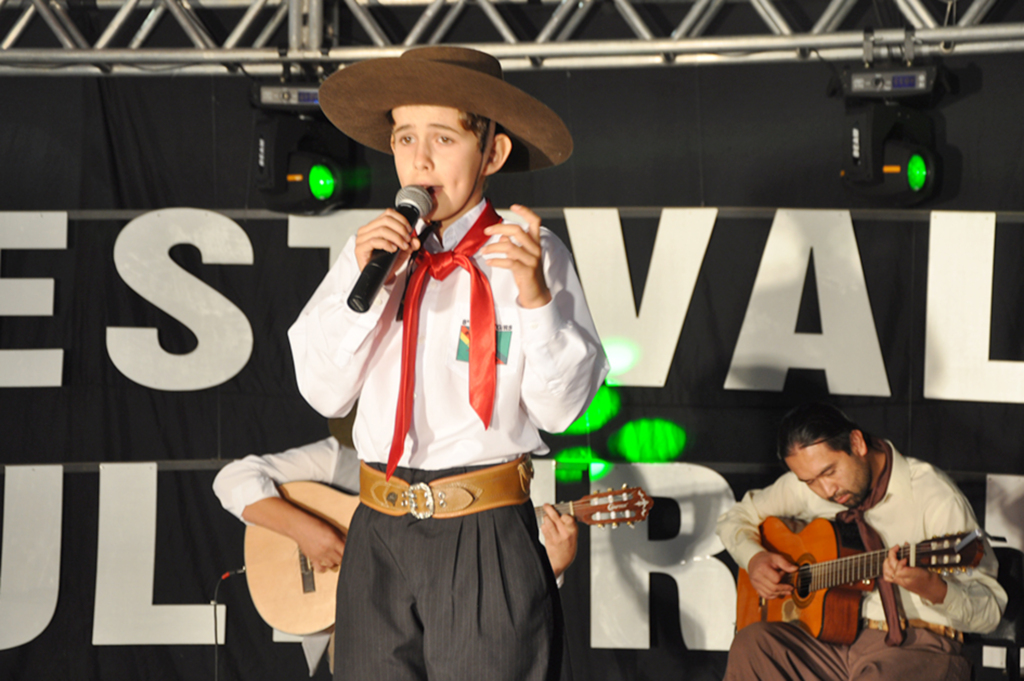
[[320, 542], [766, 570]]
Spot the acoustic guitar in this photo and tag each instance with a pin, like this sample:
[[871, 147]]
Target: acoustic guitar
[[292, 597], [831, 578]]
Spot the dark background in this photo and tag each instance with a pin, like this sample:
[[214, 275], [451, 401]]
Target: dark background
[[747, 139]]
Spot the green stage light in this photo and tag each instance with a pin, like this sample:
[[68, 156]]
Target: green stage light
[[322, 182], [570, 464], [357, 178], [648, 441], [623, 354], [305, 166], [599, 469], [917, 172], [603, 408], [890, 154]]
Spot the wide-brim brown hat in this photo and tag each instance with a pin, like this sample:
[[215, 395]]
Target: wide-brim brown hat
[[358, 99]]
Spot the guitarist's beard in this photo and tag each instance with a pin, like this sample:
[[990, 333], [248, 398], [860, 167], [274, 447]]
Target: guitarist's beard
[[860, 486]]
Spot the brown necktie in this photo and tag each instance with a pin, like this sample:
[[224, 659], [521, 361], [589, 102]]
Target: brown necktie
[[872, 542]]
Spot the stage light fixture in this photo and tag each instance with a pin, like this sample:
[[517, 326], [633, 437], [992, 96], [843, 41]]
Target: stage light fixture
[[304, 165], [288, 97], [889, 153]]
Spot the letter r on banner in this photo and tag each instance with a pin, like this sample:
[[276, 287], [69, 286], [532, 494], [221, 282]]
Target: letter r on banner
[[622, 560]]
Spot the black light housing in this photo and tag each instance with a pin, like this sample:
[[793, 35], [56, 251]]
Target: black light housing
[[304, 165], [889, 153]]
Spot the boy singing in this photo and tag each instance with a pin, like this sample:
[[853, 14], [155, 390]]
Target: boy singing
[[480, 338]]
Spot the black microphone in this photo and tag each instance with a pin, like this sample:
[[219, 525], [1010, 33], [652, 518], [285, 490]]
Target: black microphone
[[412, 202]]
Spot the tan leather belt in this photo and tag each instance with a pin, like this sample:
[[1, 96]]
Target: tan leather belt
[[940, 629], [506, 484]]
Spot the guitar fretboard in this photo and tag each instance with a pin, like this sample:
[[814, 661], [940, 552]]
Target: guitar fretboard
[[936, 554], [562, 508]]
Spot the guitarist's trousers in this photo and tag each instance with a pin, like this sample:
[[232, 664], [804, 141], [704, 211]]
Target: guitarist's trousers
[[767, 651], [447, 599]]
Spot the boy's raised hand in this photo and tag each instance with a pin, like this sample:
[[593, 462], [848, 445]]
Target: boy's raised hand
[[523, 255], [389, 231]]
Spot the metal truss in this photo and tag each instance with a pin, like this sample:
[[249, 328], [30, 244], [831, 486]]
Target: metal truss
[[301, 39]]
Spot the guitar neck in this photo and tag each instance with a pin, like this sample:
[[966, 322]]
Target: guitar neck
[[562, 508], [628, 505], [868, 566], [832, 573]]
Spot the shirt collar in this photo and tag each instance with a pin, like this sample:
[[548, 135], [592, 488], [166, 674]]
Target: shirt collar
[[899, 479], [458, 229]]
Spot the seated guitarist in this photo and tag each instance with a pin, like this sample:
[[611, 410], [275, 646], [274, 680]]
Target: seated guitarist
[[248, 489], [912, 621]]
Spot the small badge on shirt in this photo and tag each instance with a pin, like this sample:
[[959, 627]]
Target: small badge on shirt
[[503, 338]]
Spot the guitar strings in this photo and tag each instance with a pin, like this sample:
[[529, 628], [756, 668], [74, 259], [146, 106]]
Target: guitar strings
[[849, 569]]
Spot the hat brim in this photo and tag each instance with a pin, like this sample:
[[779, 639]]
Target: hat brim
[[358, 98]]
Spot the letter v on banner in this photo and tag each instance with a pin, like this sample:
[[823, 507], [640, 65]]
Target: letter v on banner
[[600, 254], [961, 253], [847, 348]]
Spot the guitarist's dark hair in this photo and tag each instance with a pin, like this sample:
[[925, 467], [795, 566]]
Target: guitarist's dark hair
[[817, 422]]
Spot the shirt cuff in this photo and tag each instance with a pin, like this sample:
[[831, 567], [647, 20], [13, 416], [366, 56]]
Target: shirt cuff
[[540, 324], [249, 492], [745, 551], [954, 602]]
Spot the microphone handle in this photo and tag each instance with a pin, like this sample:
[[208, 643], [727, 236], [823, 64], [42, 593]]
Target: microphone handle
[[377, 268]]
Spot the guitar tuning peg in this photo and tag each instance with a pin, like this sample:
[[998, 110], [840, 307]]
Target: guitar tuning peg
[[623, 485], [614, 525], [631, 525], [609, 489]]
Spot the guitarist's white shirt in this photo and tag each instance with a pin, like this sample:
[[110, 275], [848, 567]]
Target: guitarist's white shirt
[[921, 502], [246, 481], [253, 478]]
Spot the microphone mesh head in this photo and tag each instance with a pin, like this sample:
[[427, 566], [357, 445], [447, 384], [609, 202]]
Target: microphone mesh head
[[415, 196]]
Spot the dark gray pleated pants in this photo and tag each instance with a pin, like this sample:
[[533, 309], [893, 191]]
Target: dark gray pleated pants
[[447, 600]]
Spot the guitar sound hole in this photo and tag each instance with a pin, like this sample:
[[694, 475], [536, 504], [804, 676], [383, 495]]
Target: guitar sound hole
[[802, 584]]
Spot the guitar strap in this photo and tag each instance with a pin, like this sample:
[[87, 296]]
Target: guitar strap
[[872, 542]]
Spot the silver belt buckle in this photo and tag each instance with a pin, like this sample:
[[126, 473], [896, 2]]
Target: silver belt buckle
[[428, 500]]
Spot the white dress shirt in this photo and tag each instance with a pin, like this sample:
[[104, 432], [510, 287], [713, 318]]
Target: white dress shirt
[[920, 503], [545, 378]]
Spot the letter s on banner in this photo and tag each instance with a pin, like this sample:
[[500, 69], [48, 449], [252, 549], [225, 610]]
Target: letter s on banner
[[142, 257]]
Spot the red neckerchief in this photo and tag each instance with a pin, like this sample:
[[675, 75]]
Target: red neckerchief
[[481, 322], [872, 542]]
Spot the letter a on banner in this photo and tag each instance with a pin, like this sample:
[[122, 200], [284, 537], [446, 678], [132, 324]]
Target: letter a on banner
[[847, 348]]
